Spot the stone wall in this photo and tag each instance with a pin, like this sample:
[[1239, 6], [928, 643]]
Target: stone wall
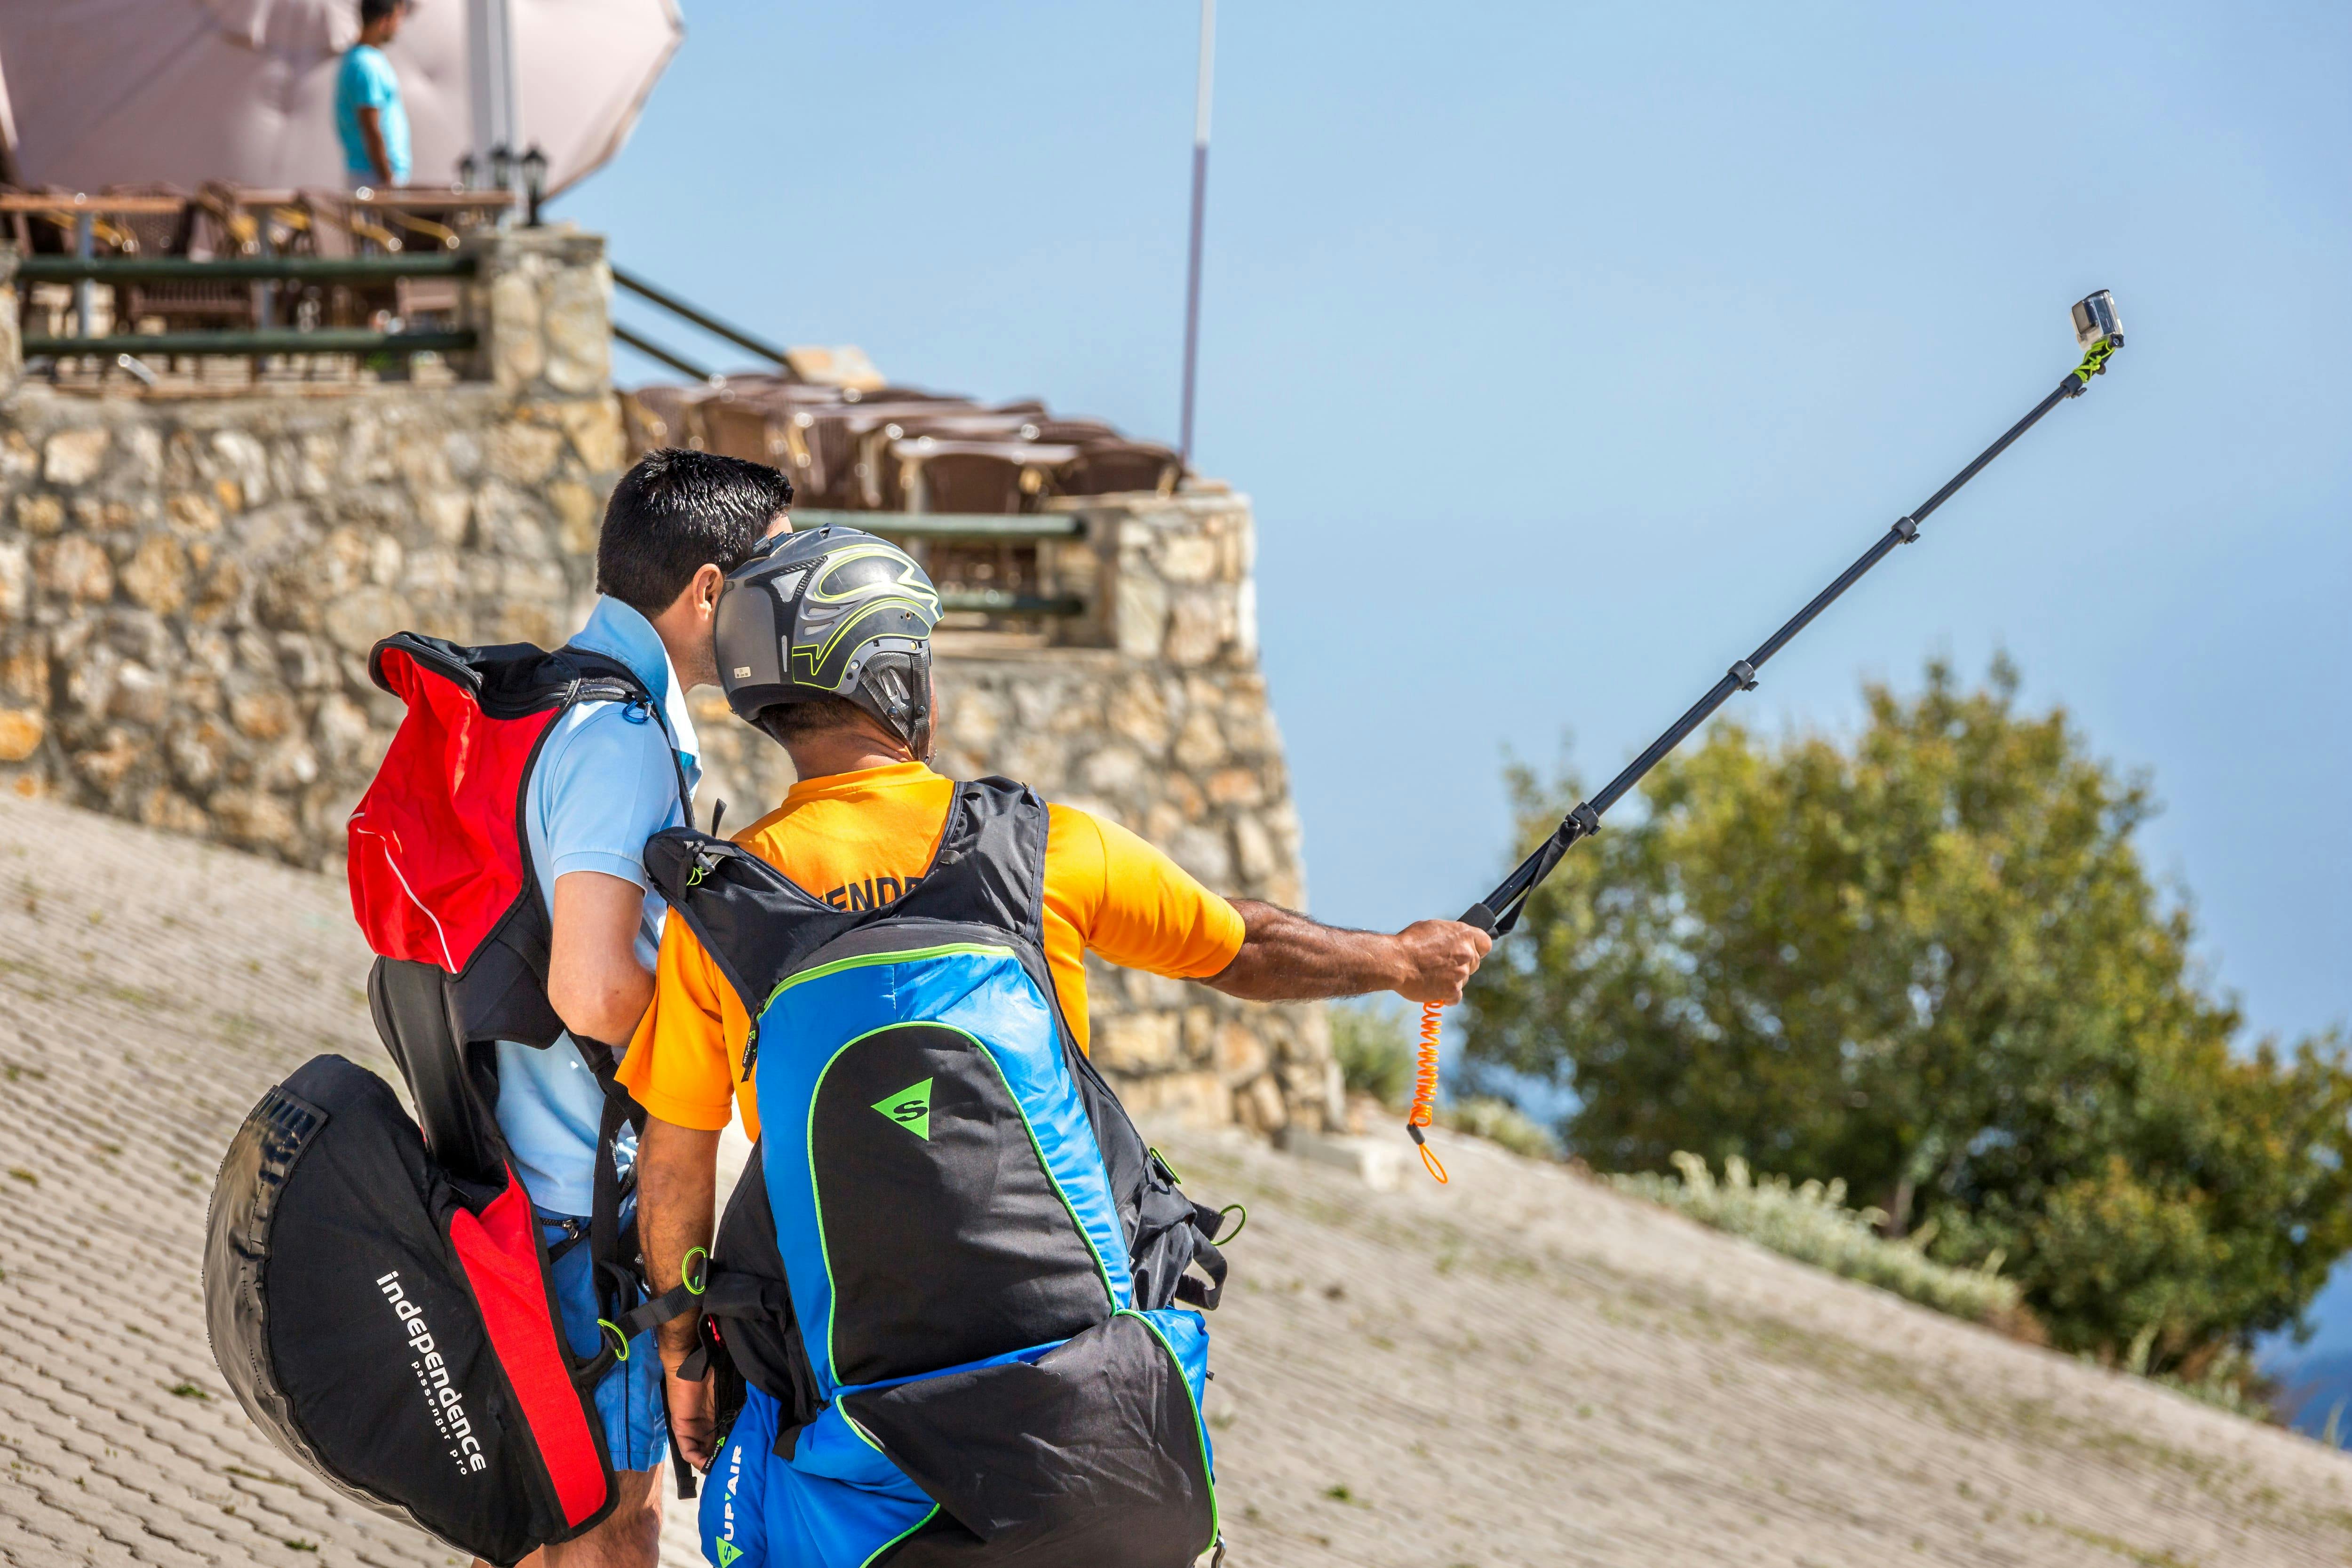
[[189, 586]]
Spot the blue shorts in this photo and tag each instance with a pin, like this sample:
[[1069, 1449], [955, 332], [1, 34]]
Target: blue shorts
[[630, 1397]]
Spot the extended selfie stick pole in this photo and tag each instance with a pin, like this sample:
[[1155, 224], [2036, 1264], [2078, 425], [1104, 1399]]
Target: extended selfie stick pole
[[2100, 335]]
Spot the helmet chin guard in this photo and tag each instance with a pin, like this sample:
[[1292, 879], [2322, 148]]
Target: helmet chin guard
[[835, 612]]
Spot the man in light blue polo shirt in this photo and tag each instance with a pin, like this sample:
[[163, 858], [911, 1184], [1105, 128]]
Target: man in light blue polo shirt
[[369, 116], [610, 776]]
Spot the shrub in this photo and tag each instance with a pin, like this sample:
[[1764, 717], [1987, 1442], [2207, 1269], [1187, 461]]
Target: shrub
[[1929, 959], [1375, 1051], [1811, 1223], [1500, 1121]]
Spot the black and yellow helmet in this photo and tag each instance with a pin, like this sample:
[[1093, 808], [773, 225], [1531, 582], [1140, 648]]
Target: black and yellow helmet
[[834, 612]]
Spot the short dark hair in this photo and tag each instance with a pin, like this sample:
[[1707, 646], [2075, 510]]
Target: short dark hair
[[377, 10], [788, 721], [675, 512]]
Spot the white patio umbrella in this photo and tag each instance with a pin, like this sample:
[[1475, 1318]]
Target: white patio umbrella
[[101, 93]]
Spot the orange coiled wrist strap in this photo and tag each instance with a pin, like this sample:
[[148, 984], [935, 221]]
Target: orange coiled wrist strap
[[1425, 1088]]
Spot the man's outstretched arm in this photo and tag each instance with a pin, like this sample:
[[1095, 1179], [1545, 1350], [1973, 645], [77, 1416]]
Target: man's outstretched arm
[[1286, 957]]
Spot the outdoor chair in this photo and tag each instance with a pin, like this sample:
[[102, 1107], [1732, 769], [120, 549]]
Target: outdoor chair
[[1120, 467], [932, 475]]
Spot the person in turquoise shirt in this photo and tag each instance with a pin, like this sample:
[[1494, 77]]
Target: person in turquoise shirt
[[368, 115]]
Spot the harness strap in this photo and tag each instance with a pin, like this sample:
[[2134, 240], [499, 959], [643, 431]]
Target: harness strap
[[1203, 1293]]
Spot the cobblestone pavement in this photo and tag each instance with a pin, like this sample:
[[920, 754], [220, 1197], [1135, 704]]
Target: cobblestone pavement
[[1522, 1368]]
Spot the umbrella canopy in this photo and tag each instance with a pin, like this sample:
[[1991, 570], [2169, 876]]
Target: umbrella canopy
[[104, 92]]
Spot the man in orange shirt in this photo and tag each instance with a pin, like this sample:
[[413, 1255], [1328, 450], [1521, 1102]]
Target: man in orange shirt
[[824, 643]]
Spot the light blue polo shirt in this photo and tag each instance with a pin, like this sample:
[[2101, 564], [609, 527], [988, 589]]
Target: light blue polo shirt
[[606, 783]]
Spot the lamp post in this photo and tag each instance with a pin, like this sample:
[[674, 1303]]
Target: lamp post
[[534, 184]]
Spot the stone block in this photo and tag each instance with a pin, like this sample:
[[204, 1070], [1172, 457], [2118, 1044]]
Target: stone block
[[1198, 623], [1378, 1163], [1139, 711], [240, 464], [21, 731], [446, 513], [105, 767], [1258, 1106], [521, 454], [74, 456], [1254, 852], [1140, 615], [262, 714], [140, 696], [253, 820], [197, 752], [174, 813], [1188, 558], [25, 671], [1187, 1099], [156, 575], [1184, 797], [75, 567], [593, 424], [1114, 770], [578, 515], [1241, 1053], [1201, 744], [16, 577], [577, 322], [194, 511], [1138, 1042], [40, 514], [1201, 849]]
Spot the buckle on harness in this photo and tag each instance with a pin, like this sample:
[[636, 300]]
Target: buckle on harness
[[620, 1342]]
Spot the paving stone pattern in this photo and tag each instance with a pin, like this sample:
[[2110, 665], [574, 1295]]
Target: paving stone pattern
[[1521, 1368]]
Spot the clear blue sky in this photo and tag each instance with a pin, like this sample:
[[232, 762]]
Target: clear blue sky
[[1566, 350]]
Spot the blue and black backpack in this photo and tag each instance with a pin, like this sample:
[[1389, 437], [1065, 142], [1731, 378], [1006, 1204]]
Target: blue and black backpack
[[942, 1305]]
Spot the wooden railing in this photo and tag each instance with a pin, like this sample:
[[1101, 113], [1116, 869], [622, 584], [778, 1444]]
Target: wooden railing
[[134, 269]]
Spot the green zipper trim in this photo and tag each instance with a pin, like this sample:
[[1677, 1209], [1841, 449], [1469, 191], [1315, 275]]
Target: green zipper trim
[[1200, 1425], [900, 1536], [838, 964], [863, 1435], [816, 1193]]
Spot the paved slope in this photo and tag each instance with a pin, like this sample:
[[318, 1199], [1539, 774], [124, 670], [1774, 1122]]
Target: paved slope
[[1520, 1369]]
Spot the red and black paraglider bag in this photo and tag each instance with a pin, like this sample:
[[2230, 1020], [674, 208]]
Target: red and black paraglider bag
[[377, 1289]]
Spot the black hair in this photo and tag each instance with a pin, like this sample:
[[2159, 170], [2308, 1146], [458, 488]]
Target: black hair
[[677, 512], [377, 10], [788, 721]]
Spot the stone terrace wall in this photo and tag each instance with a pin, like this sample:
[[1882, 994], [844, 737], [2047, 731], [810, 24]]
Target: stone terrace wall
[[189, 586]]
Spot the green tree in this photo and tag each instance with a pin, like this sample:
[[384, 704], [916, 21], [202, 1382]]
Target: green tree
[[1931, 962]]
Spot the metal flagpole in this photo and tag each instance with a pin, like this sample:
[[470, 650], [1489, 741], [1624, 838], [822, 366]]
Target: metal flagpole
[[1199, 208]]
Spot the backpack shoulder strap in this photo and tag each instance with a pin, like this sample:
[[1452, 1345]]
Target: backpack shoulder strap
[[606, 679], [603, 679], [991, 867], [755, 922]]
